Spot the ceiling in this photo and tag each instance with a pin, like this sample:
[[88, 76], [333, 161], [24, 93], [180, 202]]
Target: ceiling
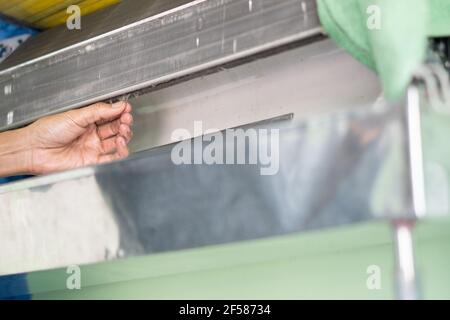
[[43, 14]]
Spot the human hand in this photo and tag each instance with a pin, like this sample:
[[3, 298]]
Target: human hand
[[95, 134]]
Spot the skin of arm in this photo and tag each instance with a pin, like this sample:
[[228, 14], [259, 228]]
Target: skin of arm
[[95, 134]]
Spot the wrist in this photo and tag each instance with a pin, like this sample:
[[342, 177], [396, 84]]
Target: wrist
[[15, 152], [27, 153]]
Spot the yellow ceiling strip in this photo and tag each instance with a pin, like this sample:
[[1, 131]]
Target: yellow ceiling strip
[[48, 13], [5, 4], [33, 10], [17, 11], [86, 6]]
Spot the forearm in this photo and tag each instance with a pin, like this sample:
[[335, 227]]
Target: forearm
[[15, 152]]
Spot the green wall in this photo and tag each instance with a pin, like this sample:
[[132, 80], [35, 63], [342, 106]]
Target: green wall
[[327, 264]]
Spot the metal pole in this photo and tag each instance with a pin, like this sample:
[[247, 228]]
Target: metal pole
[[405, 273], [407, 287]]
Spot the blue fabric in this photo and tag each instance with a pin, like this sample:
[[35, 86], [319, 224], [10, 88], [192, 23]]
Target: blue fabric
[[11, 179], [14, 287], [9, 30]]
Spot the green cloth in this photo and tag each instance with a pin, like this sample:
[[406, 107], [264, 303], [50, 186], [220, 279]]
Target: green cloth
[[398, 46]]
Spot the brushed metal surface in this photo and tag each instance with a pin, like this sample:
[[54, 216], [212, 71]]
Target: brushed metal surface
[[311, 80]]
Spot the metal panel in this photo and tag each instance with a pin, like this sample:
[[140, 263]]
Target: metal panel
[[92, 26], [331, 172], [333, 160], [293, 81], [186, 39]]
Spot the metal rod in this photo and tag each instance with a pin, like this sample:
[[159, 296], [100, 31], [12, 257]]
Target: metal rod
[[407, 287], [405, 273], [415, 152]]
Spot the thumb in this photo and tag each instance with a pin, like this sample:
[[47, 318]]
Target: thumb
[[99, 112]]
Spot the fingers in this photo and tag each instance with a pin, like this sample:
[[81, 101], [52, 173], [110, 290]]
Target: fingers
[[118, 147], [113, 127], [127, 111], [99, 112], [126, 117], [122, 148], [119, 126], [109, 129], [109, 145], [125, 132]]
